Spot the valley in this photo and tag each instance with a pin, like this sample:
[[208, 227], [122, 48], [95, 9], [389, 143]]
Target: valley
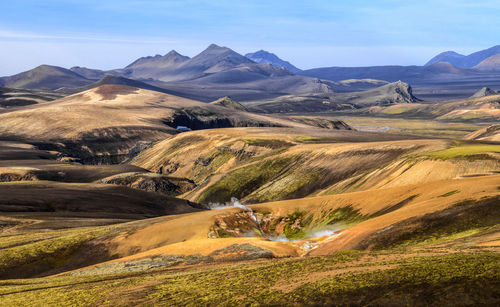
[[231, 180]]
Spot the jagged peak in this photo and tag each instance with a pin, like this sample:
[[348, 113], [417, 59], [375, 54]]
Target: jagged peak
[[215, 46]]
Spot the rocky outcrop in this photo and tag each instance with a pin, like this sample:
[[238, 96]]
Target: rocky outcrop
[[152, 182], [485, 91], [230, 103], [402, 92]]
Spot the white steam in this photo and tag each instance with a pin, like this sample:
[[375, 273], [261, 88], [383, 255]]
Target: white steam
[[323, 233], [314, 233], [235, 203]]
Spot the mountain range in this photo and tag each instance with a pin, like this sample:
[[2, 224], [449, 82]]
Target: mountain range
[[219, 71]]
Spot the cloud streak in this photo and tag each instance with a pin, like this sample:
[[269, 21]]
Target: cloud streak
[[36, 36]]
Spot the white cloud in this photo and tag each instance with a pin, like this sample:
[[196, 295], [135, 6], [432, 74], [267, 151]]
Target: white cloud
[[96, 38]]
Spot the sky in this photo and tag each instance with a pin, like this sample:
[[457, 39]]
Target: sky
[[107, 34]]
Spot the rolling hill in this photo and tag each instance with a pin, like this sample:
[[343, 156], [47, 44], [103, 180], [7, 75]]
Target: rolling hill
[[487, 134], [108, 123], [266, 165], [12, 98], [388, 94], [480, 109], [330, 212]]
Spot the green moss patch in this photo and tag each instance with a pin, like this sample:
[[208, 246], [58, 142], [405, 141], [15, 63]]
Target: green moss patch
[[267, 143], [448, 280], [46, 250], [315, 140], [464, 219], [449, 193], [294, 185], [209, 164], [463, 151], [243, 181]]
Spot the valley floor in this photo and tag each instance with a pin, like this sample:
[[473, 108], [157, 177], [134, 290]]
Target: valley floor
[[333, 217]]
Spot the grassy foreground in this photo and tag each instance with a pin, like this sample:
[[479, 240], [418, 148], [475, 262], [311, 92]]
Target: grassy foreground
[[347, 278]]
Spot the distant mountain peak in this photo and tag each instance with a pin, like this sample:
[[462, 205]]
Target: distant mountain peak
[[171, 58], [216, 49], [45, 77], [451, 57], [451, 52], [465, 61], [173, 53], [216, 58], [263, 56], [215, 46]]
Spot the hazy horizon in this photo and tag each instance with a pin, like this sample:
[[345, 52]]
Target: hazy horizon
[[112, 34]]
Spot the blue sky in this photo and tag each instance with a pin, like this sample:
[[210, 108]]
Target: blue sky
[[109, 34]]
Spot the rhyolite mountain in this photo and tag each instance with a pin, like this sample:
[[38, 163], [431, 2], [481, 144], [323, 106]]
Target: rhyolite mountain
[[219, 71], [491, 63], [175, 67], [465, 61], [89, 73], [154, 67], [45, 77], [268, 57]]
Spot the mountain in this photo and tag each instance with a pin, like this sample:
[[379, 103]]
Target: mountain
[[485, 91], [176, 67], [212, 60], [491, 63], [448, 56], [45, 77], [170, 59], [463, 61], [89, 73], [391, 73], [216, 59], [154, 67], [268, 57]]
